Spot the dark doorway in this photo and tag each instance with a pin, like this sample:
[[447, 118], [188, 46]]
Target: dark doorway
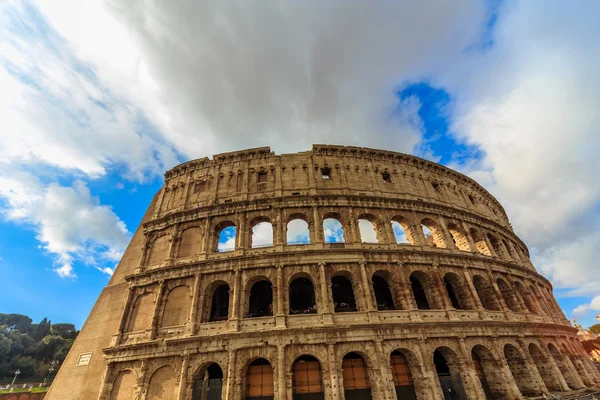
[[208, 386], [383, 295], [219, 307], [259, 380], [481, 375], [450, 382], [307, 381], [261, 300], [343, 294], [419, 293], [302, 297], [356, 378], [452, 294]]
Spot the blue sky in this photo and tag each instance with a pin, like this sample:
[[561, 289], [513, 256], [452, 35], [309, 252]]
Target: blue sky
[[97, 104]]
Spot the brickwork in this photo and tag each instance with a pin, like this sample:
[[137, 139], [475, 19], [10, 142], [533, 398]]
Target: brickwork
[[446, 290]]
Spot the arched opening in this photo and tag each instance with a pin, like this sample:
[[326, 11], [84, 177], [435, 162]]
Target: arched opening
[[259, 380], [158, 251], [177, 307], [209, 384], [189, 244], [262, 234], [422, 290], [356, 378], [539, 300], [526, 296], [260, 303], [123, 386], [142, 313], [509, 249], [163, 384], [486, 294], [333, 231], [343, 294], [433, 235], [403, 230], [480, 243], [219, 306], [489, 373], [403, 381], [457, 293], [520, 371], [226, 233], [448, 373], [508, 295], [307, 380], [302, 297], [383, 295], [297, 232], [544, 368], [459, 237], [368, 234], [563, 366], [496, 246]]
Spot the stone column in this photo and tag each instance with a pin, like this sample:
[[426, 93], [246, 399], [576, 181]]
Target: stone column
[[208, 235], [125, 316], [387, 381], [231, 377], [440, 289], [325, 299], [353, 231], [281, 368], [280, 314], [551, 362], [336, 388], [535, 374], [183, 378], [468, 374], [157, 306], [142, 386], [194, 310], [366, 286], [234, 319], [242, 234], [511, 384], [316, 233], [474, 295], [279, 231], [408, 300]]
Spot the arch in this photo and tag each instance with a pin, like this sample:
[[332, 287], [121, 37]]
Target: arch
[[158, 250], [123, 386], [342, 292], [539, 300], [544, 368], [355, 377], [259, 380], [496, 246], [262, 232], [297, 230], [142, 313], [383, 294], [402, 376], [163, 384], [208, 384], [423, 291], [520, 371], [563, 366], [302, 296], [489, 373], [368, 233], [486, 293], [447, 367], [333, 230], [225, 237], [508, 295], [480, 242], [189, 242], [509, 250], [526, 296], [457, 292], [307, 379], [403, 230], [433, 234], [459, 237], [219, 303], [177, 306], [260, 302]]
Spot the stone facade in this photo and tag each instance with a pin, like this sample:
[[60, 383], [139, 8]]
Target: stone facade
[[444, 302]]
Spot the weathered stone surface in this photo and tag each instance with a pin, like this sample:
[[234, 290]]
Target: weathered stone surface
[[466, 293]]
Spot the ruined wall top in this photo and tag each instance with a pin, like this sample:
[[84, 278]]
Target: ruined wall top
[[234, 176]]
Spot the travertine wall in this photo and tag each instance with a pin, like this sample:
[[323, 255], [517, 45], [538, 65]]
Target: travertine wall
[[468, 291]]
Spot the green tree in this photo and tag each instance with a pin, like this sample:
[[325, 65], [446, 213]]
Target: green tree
[[595, 329], [66, 331], [42, 329]]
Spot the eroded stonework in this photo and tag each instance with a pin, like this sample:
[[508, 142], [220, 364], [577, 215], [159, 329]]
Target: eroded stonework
[[444, 301]]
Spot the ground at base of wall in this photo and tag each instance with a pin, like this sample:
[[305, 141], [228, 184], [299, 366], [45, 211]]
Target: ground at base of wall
[[22, 395]]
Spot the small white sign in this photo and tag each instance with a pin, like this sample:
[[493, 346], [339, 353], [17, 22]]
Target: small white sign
[[84, 359]]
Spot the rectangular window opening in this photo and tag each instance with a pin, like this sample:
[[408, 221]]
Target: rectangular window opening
[[325, 172], [262, 176], [386, 177]]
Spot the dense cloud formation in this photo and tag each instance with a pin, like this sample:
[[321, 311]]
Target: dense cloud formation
[[142, 85]]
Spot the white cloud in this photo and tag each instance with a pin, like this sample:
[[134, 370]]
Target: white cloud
[[262, 234], [69, 221], [367, 231], [333, 231], [585, 309], [297, 232]]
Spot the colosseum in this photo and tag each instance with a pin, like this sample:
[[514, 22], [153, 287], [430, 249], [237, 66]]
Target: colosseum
[[336, 273]]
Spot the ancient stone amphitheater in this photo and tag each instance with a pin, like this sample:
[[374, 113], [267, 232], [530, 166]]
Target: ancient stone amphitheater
[[337, 273]]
